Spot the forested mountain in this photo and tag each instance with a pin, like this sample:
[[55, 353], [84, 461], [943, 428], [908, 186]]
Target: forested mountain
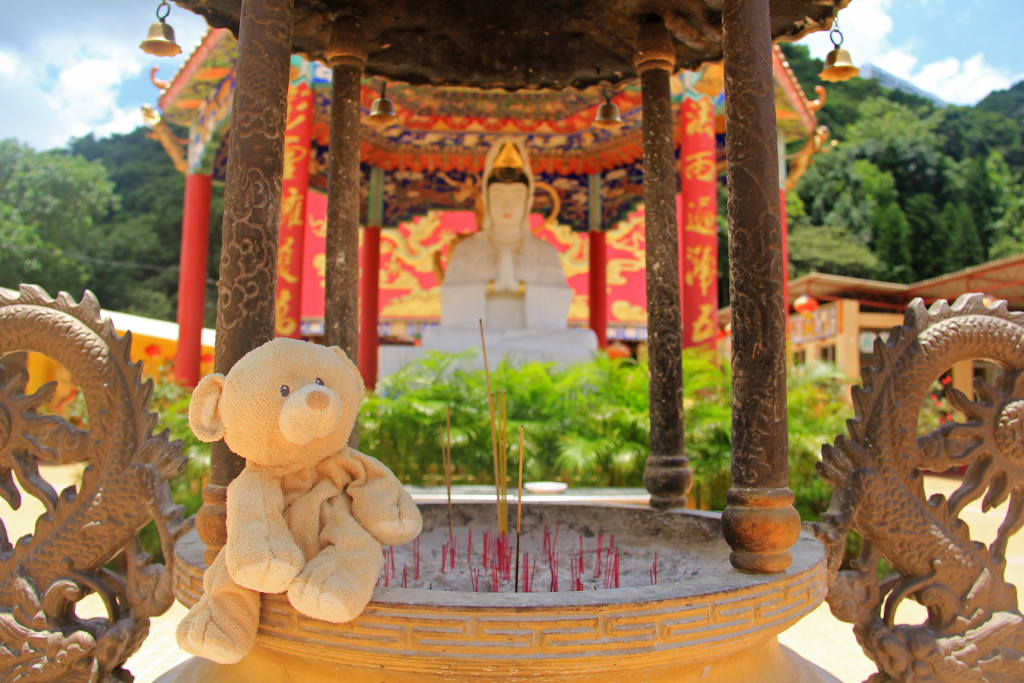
[[909, 191], [103, 215]]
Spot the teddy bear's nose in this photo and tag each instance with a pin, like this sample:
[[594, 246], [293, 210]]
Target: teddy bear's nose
[[317, 400]]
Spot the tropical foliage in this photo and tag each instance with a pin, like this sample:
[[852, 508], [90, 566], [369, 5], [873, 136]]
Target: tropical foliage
[[586, 424]]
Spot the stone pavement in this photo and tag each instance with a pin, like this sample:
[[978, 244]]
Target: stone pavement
[[818, 637]]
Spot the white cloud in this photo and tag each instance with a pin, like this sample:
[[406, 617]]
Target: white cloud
[[8, 64], [962, 82], [898, 62], [866, 27], [69, 78]]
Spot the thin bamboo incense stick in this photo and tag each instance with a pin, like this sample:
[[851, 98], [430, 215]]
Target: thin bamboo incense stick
[[446, 455], [503, 461], [519, 505], [490, 405]]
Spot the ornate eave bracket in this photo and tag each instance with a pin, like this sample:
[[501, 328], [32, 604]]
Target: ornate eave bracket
[[123, 487], [974, 630]]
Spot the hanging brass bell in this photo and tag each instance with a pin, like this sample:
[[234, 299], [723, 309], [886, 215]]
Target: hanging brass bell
[[382, 111], [838, 66], [608, 114], [160, 40]]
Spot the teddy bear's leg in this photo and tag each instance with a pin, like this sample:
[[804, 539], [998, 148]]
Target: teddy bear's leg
[[336, 584], [222, 625]]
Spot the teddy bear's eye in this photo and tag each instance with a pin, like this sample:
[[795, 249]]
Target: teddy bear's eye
[[319, 381], [285, 390]]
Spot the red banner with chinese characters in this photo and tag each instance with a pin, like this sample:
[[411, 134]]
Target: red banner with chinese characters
[[698, 253], [293, 207]]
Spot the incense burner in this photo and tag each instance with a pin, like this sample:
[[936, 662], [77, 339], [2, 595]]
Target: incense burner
[[702, 621]]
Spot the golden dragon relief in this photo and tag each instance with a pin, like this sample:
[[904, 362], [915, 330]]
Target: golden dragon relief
[[974, 630], [123, 488]]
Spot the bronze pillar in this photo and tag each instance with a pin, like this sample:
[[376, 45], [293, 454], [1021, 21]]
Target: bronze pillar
[[252, 213], [666, 476], [759, 522], [346, 57]]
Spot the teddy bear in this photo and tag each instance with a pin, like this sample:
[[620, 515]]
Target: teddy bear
[[308, 515]]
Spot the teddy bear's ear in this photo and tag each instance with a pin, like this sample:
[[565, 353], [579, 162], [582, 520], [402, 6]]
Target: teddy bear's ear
[[352, 369], [204, 409]]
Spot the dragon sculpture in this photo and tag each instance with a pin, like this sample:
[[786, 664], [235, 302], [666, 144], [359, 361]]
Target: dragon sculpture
[[974, 630], [123, 487]]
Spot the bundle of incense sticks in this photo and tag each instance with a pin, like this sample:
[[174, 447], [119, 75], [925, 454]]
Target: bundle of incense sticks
[[495, 446]]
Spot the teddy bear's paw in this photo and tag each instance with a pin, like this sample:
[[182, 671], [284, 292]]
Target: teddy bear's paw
[[334, 597], [266, 567], [200, 634], [395, 532]]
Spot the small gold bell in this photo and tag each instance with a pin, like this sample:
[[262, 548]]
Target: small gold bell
[[838, 67], [160, 40], [608, 114], [382, 111]]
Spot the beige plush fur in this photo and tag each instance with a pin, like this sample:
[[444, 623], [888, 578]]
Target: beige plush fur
[[307, 515]]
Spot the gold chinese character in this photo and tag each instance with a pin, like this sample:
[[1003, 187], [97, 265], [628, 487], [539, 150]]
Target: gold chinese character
[[700, 166], [286, 325], [700, 118], [320, 268], [704, 325], [699, 218], [294, 154], [291, 209], [285, 257], [701, 270]]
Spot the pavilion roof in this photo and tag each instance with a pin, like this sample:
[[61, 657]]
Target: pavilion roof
[[1001, 279], [432, 156], [532, 44], [443, 128]]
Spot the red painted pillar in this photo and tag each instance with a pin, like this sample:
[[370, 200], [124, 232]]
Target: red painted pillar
[[195, 234], [369, 296], [295, 182], [598, 279], [698, 260]]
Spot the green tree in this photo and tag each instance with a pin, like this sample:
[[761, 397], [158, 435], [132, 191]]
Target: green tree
[[144, 237], [966, 244], [891, 243], [49, 205], [899, 140], [931, 242], [831, 249]]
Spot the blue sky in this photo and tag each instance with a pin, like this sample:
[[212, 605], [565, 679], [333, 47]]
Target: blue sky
[[76, 68]]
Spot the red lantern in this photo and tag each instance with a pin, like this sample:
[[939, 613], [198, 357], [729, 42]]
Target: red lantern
[[805, 304]]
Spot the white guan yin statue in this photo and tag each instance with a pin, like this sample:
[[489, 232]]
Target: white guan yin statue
[[508, 278]]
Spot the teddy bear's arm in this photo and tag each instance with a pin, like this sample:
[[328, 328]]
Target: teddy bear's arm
[[261, 553], [379, 502]]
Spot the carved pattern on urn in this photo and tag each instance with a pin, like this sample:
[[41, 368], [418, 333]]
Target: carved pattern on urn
[[124, 486], [974, 630]]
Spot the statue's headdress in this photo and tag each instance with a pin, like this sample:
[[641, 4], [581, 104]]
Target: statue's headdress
[[507, 162], [509, 166]]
